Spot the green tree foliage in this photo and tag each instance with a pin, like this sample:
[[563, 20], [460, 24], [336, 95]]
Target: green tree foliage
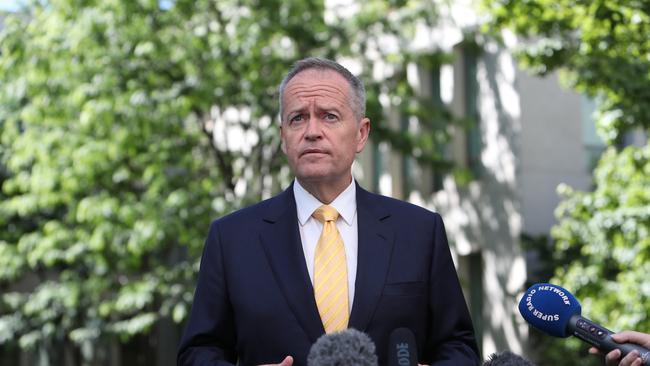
[[108, 178], [603, 45], [602, 241], [602, 247], [126, 126], [606, 234]]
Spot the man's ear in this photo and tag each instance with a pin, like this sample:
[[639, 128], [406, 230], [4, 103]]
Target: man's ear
[[363, 133], [283, 146]]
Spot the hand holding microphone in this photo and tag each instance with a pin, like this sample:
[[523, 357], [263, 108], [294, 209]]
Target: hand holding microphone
[[288, 361], [614, 358], [555, 311]]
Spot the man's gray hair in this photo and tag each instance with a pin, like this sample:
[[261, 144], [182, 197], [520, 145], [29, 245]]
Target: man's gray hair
[[357, 91]]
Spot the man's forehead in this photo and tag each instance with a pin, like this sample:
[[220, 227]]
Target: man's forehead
[[315, 81]]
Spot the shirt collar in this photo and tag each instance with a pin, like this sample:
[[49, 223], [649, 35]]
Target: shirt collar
[[345, 203]]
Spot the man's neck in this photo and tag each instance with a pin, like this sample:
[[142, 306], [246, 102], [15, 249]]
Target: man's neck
[[325, 192]]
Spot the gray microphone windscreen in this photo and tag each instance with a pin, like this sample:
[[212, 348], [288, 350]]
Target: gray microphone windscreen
[[346, 348]]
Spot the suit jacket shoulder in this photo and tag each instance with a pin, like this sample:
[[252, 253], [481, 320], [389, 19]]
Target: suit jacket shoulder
[[267, 210], [400, 212]]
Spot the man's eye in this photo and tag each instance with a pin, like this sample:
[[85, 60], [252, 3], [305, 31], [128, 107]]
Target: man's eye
[[296, 118], [331, 117]]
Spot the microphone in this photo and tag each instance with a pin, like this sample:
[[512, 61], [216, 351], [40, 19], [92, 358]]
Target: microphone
[[555, 311], [349, 347], [402, 350], [507, 358]]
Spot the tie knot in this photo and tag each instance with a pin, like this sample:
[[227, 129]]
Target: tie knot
[[325, 213]]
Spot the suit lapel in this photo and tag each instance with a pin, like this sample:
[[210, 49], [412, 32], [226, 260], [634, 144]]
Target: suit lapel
[[375, 247], [281, 242]]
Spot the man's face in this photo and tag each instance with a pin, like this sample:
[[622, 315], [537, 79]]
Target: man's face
[[319, 131]]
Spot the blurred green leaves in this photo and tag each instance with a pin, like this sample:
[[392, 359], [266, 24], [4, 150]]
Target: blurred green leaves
[[107, 178], [602, 241], [601, 45], [604, 237]]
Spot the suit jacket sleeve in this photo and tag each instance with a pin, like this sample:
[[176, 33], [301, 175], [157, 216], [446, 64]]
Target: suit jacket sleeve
[[451, 337], [209, 337]]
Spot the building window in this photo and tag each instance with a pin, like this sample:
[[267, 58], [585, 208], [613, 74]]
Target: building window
[[469, 53], [470, 272], [594, 145], [434, 77]]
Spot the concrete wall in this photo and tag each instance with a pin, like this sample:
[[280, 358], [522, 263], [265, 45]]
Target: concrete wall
[[484, 218], [553, 149]]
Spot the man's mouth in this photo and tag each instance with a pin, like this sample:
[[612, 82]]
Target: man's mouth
[[313, 151]]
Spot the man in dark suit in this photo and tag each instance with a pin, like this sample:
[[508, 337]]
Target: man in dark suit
[[325, 255]]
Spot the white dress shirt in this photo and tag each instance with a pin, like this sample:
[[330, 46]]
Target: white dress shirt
[[310, 228]]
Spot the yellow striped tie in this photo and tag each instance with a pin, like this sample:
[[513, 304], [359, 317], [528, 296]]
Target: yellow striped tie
[[331, 273]]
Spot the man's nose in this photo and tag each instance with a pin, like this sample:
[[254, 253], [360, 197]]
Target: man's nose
[[313, 129]]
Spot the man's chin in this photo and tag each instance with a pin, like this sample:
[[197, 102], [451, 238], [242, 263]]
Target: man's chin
[[312, 176], [315, 174], [321, 176]]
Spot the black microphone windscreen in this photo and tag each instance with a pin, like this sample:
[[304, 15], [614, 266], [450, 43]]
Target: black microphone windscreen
[[346, 348], [402, 349], [507, 358]]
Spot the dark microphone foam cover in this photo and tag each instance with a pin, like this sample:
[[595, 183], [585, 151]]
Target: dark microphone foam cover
[[548, 308], [507, 358], [402, 349], [349, 347]]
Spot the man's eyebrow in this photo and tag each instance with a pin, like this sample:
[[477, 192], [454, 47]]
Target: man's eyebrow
[[336, 107], [329, 108], [295, 110]]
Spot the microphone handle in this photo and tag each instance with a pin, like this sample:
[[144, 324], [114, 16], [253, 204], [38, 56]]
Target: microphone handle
[[601, 338]]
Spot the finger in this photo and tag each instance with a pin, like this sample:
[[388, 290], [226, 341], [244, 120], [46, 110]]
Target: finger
[[630, 358], [595, 351], [288, 361], [630, 336], [611, 359]]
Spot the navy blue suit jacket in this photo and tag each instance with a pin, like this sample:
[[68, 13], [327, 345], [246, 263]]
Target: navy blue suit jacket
[[254, 301]]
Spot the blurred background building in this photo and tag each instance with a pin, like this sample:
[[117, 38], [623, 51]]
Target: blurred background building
[[531, 135]]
